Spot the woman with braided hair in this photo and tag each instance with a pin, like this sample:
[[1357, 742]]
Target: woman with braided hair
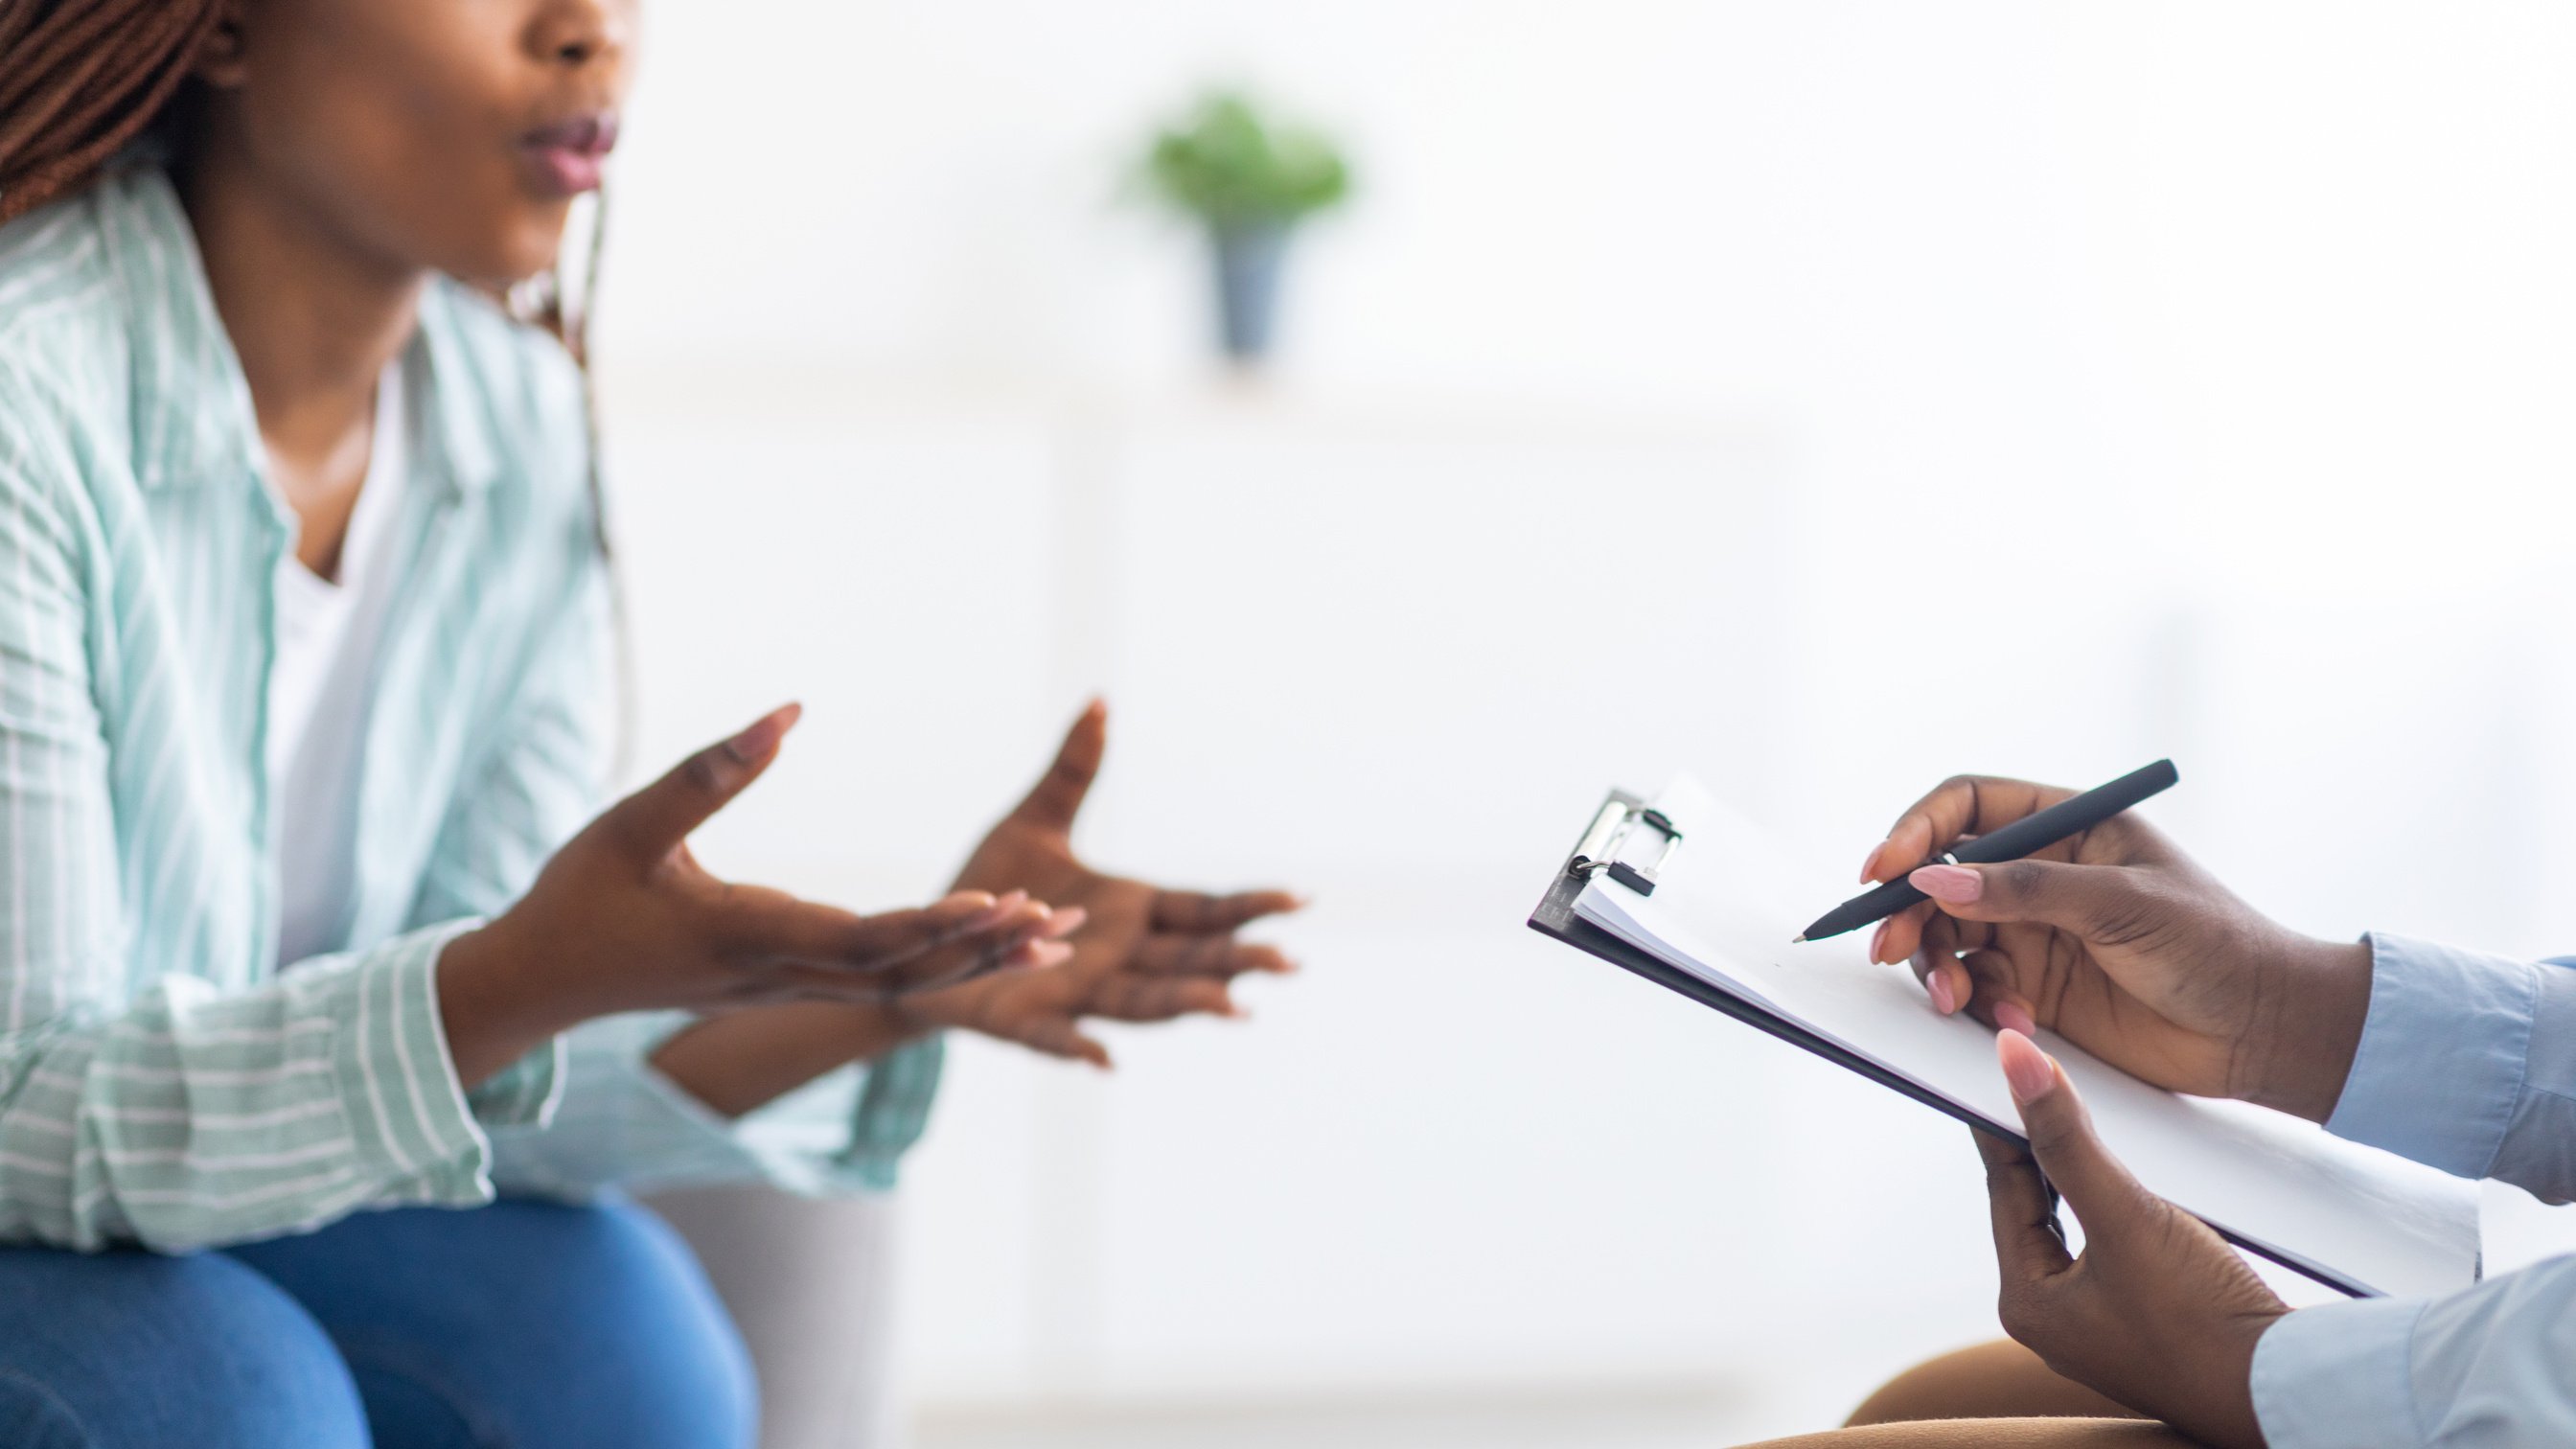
[[332, 1017]]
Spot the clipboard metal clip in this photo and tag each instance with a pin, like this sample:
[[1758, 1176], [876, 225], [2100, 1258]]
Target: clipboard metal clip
[[1605, 845]]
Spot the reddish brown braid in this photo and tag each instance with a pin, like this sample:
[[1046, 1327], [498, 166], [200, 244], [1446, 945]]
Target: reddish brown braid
[[79, 79]]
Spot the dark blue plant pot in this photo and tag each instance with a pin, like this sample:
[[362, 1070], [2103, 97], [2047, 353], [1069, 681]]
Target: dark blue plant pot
[[1248, 260]]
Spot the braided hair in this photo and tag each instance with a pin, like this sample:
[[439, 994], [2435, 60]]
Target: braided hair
[[80, 80]]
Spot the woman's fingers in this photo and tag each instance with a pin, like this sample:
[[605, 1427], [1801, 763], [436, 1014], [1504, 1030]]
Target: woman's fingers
[[1058, 795], [799, 979], [1032, 943], [1994, 992], [1220, 957], [771, 924], [1960, 805], [817, 947], [1963, 969], [978, 966], [1202, 914], [2030, 1248], [1936, 965], [2029, 1244], [2101, 1191], [2094, 903], [752, 922], [1901, 935], [1950, 982], [654, 820], [1059, 1036], [1161, 998]]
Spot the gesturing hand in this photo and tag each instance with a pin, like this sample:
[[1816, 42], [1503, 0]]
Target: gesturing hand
[[624, 918], [2158, 1313], [2119, 942], [1147, 954]]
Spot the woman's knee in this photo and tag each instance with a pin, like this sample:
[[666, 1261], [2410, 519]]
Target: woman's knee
[[1997, 1380], [135, 1348], [537, 1323], [634, 1294]]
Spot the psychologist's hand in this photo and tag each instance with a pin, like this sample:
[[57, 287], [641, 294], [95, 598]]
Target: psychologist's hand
[[2158, 1313], [623, 918], [1147, 953], [2116, 940]]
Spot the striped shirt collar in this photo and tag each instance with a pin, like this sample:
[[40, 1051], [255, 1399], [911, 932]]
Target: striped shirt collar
[[177, 333]]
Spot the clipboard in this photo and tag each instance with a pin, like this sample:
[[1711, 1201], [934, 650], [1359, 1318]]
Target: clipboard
[[1599, 850], [1554, 917]]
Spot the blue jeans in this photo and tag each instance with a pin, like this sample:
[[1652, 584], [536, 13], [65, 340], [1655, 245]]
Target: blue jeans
[[519, 1324]]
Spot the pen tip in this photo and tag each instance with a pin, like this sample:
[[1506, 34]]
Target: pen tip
[[1797, 940]]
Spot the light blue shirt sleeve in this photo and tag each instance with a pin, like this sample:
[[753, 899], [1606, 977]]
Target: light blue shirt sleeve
[[2468, 1063]]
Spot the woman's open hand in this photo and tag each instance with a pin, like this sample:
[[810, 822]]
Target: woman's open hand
[[2120, 943], [1147, 954], [2158, 1312], [623, 918]]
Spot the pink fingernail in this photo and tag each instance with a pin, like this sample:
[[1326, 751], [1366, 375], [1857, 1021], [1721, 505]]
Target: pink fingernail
[[1878, 941], [1067, 921], [2011, 1016], [764, 733], [1869, 864], [1955, 884], [2027, 1069], [1938, 984]]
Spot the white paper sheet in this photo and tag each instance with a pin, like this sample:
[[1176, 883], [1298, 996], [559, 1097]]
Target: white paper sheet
[[1725, 909]]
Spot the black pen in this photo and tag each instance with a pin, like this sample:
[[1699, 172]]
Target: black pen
[[2071, 816]]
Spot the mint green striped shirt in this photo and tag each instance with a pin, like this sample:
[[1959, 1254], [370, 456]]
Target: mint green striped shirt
[[161, 1080]]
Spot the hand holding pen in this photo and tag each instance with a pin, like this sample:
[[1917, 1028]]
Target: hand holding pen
[[2045, 827], [2116, 940]]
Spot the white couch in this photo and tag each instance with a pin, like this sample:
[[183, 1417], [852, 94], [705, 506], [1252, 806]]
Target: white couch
[[809, 1282]]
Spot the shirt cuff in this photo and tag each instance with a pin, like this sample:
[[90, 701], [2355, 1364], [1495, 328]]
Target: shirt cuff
[[410, 1125], [625, 1125], [2442, 1054], [893, 1111], [524, 1093], [2339, 1376]]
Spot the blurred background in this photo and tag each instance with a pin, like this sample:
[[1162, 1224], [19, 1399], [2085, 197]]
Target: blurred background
[[1822, 396]]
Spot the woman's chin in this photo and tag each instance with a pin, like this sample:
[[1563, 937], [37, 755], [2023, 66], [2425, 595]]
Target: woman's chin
[[522, 256]]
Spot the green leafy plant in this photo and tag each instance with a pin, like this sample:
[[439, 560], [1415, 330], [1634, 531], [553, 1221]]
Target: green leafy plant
[[1226, 165]]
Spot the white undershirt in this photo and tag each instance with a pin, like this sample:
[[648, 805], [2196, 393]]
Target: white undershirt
[[327, 632]]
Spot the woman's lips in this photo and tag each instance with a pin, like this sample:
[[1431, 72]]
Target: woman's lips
[[566, 157]]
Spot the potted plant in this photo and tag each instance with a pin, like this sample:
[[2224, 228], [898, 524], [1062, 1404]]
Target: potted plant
[[1248, 182]]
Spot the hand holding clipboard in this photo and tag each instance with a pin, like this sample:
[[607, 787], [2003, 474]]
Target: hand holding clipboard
[[2081, 941]]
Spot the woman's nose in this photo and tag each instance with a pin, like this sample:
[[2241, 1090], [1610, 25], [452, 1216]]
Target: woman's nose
[[577, 33]]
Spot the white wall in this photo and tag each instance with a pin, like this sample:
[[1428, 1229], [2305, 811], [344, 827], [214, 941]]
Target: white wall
[[2030, 387]]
